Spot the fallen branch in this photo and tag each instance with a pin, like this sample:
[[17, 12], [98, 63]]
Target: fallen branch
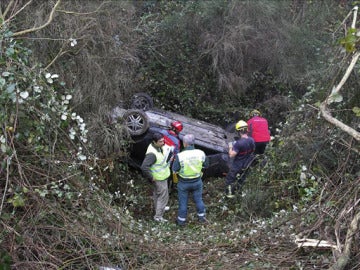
[[307, 242]]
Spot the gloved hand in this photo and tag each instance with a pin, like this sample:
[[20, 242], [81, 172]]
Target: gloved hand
[[175, 178]]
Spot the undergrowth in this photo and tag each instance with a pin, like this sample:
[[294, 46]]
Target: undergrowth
[[64, 207]]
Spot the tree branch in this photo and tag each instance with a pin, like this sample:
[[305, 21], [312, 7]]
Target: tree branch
[[345, 256], [86, 13], [3, 14], [327, 115], [323, 106], [351, 66], [51, 16], [16, 13]]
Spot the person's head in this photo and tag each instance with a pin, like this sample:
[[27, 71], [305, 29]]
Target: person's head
[[241, 127], [158, 139], [189, 139], [176, 126], [255, 113]]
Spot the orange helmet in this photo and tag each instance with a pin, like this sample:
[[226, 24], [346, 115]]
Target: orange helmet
[[177, 126]]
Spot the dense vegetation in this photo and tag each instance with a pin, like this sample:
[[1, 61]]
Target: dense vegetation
[[68, 198]]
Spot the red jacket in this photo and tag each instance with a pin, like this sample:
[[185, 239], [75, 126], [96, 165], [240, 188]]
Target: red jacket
[[259, 129], [172, 139]]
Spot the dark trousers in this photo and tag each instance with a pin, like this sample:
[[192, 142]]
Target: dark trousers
[[238, 167], [260, 147]]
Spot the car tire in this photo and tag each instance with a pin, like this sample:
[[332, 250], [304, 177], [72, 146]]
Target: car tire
[[136, 122], [142, 101]]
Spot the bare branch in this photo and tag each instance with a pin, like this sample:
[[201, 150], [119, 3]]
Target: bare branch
[[308, 242], [343, 260], [16, 13], [345, 256], [351, 66], [87, 13], [8, 161], [3, 15], [327, 115], [355, 9], [323, 107], [51, 16]]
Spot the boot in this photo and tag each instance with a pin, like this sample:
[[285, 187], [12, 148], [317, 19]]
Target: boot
[[228, 192]]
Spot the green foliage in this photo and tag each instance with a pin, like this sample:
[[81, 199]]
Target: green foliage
[[349, 42], [204, 60], [5, 260], [19, 198], [209, 59], [356, 110], [174, 72], [35, 110]]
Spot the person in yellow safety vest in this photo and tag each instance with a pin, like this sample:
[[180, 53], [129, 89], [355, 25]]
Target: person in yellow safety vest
[[189, 164], [156, 168]]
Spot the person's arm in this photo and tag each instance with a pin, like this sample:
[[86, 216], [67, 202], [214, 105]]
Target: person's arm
[[177, 148], [176, 165], [232, 151], [253, 146], [250, 128], [206, 163], [149, 160]]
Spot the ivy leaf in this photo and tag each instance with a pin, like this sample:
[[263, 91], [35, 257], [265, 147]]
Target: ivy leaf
[[17, 200], [317, 104], [2, 82], [11, 87], [356, 110], [10, 52], [3, 148], [335, 97]]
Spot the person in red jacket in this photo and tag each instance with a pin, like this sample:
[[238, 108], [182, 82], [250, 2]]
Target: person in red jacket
[[259, 130], [171, 137]]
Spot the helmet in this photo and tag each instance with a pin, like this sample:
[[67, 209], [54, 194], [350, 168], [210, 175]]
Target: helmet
[[255, 113], [177, 126], [241, 125]]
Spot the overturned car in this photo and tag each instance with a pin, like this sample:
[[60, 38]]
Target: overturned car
[[142, 120]]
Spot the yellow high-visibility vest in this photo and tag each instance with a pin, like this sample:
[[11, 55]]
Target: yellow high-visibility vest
[[191, 163], [160, 170]]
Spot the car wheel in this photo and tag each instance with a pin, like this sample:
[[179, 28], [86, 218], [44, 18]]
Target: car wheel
[[142, 101], [136, 122]]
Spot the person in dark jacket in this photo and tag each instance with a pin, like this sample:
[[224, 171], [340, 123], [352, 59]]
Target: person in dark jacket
[[259, 130], [242, 152]]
